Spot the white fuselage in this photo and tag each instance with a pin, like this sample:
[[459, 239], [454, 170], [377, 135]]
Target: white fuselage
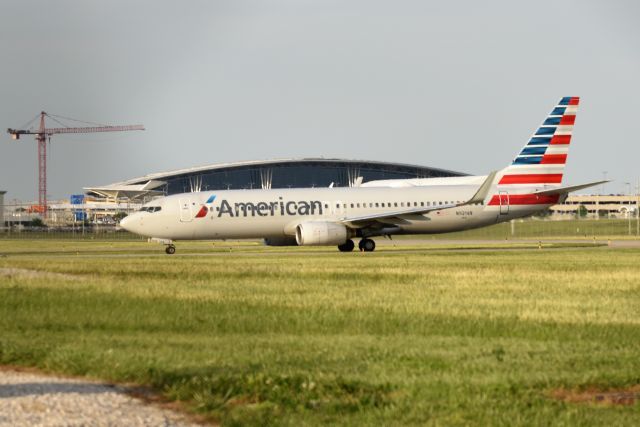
[[276, 213]]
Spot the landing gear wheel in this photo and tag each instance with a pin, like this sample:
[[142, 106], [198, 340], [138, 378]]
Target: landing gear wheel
[[346, 246], [367, 245], [170, 249]]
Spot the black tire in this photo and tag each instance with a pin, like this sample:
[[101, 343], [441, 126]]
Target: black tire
[[170, 250], [367, 245], [347, 246]]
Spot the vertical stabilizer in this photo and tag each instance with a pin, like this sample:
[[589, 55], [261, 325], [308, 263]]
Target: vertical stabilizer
[[541, 162]]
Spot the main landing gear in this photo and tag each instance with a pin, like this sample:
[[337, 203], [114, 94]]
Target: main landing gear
[[170, 249], [365, 245], [346, 246]]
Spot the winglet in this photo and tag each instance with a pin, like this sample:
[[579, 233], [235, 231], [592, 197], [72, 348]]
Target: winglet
[[483, 191]]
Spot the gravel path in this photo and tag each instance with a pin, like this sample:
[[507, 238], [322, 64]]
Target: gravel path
[[28, 399]]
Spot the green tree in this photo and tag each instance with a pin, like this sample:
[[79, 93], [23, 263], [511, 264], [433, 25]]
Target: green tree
[[119, 216], [582, 211], [37, 222]]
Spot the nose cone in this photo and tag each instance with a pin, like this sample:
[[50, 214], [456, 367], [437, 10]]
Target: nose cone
[[127, 223]]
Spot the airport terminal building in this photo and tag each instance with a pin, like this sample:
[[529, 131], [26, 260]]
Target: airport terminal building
[[265, 174]]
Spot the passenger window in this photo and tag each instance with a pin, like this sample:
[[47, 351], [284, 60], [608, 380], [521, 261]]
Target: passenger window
[[326, 206], [421, 203], [376, 205], [337, 205], [358, 205], [402, 204], [351, 205], [395, 204]]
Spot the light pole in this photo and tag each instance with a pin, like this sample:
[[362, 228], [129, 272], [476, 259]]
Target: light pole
[[629, 206], [638, 209]]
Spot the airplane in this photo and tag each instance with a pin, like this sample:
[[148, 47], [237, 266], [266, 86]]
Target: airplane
[[335, 216]]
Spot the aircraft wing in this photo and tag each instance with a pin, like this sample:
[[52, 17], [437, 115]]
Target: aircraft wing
[[402, 215], [565, 190]]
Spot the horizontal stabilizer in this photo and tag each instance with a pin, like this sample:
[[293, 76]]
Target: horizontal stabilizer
[[565, 190]]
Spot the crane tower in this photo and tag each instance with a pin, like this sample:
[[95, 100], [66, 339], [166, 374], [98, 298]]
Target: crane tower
[[43, 133]]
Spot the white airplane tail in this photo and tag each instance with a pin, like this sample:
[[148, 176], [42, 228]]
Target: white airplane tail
[[540, 164]]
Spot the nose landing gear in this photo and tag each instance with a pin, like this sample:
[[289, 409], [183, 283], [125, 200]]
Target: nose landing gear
[[170, 249]]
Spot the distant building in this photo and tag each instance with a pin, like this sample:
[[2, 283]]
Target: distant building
[[609, 205], [283, 173]]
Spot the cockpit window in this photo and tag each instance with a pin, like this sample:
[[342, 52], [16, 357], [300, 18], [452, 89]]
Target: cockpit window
[[150, 209]]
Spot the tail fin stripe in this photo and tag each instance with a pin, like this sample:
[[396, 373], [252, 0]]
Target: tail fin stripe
[[560, 139], [527, 199], [570, 100], [534, 150], [557, 149], [553, 159], [527, 160], [533, 178], [569, 119], [546, 131], [540, 140]]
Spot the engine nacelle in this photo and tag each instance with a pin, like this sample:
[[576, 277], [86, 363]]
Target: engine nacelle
[[318, 233]]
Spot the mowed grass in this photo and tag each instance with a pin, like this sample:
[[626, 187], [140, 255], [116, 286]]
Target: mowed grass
[[248, 335]]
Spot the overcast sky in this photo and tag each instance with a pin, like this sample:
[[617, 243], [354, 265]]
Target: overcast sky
[[458, 85]]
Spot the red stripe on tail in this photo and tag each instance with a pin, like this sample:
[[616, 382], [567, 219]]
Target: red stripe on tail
[[525, 199], [554, 159], [568, 120], [532, 178], [560, 139]]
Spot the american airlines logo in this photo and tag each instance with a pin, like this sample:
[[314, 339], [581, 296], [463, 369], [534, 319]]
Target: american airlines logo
[[281, 207]]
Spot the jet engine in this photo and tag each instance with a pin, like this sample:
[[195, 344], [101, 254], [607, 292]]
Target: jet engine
[[318, 233]]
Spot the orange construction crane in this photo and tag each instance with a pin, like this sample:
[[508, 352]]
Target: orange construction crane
[[43, 133]]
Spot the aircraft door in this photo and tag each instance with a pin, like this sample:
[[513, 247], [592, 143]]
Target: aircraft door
[[504, 202], [185, 210]]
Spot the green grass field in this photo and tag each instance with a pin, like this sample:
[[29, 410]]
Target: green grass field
[[530, 228], [407, 335]]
